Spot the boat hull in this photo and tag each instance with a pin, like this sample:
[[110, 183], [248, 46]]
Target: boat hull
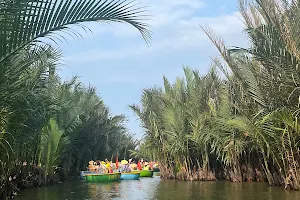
[[156, 169], [83, 173], [98, 178], [130, 176], [146, 173]]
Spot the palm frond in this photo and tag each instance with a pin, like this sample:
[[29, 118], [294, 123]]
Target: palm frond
[[23, 22]]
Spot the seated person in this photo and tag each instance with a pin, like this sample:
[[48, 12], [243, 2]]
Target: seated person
[[102, 169], [146, 167], [125, 168], [133, 166]]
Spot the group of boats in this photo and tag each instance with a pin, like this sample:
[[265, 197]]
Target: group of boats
[[93, 177], [132, 173]]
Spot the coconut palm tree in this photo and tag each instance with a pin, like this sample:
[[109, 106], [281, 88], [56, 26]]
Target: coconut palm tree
[[37, 110], [266, 76], [245, 126], [25, 22]]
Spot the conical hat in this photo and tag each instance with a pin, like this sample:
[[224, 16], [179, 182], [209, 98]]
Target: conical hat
[[124, 162]]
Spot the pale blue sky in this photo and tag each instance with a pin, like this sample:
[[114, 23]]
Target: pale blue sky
[[117, 61]]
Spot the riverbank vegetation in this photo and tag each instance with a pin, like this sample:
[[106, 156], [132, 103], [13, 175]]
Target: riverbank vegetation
[[243, 124], [49, 128]]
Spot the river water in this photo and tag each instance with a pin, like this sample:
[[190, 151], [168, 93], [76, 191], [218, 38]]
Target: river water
[[155, 188]]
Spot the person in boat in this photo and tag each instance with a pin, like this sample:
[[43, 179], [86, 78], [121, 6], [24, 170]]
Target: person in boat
[[102, 168], [113, 167], [125, 166], [122, 166], [96, 167], [91, 166], [133, 166], [109, 167], [131, 161], [146, 166], [151, 165], [107, 164]]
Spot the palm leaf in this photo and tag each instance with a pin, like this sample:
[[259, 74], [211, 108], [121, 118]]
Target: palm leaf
[[24, 21]]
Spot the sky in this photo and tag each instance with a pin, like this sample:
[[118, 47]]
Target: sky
[[115, 59]]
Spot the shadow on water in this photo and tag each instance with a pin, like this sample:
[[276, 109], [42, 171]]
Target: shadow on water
[[154, 188], [222, 190]]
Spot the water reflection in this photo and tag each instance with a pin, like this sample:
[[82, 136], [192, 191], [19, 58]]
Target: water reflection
[[156, 189], [106, 190], [222, 190], [131, 189]]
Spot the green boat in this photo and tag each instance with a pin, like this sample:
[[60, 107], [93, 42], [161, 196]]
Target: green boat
[[146, 173], [156, 169], [97, 178]]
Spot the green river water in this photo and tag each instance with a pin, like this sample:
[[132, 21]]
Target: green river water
[[155, 188]]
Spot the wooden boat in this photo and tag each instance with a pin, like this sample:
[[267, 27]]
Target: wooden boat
[[83, 173], [130, 175], [156, 169], [97, 178], [146, 173]]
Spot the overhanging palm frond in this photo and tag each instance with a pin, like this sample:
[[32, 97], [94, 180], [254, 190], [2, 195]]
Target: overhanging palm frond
[[24, 21]]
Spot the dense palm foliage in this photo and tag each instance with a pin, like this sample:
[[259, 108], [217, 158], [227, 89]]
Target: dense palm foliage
[[244, 127], [50, 128], [54, 127]]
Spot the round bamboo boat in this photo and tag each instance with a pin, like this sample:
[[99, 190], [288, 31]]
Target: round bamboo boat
[[156, 169], [83, 173], [146, 173], [97, 178], [130, 175]]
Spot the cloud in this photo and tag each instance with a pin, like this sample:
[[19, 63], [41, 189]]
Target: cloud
[[176, 28], [165, 12], [185, 34], [161, 13], [177, 40]]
